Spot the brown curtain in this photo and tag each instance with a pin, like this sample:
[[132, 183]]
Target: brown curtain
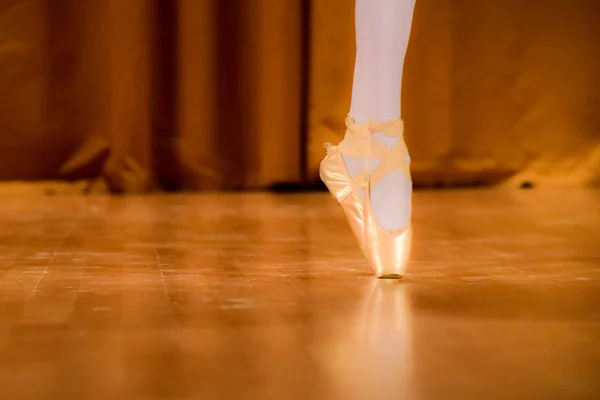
[[139, 95], [135, 95]]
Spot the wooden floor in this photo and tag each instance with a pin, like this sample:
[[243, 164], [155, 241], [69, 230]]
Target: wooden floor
[[262, 296]]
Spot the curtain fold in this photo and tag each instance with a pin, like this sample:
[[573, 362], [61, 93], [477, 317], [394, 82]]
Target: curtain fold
[[141, 95]]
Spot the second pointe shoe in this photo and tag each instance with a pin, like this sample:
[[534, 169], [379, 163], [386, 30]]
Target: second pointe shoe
[[387, 251], [343, 186]]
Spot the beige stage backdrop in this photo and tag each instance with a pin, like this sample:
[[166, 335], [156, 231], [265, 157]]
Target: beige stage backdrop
[[138, 95]]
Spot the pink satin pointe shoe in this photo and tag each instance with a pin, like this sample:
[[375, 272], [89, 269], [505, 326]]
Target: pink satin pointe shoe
[[342, 186], [387, 252]]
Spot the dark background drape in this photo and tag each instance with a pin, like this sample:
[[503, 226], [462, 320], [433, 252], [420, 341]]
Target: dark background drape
[[142, 95]]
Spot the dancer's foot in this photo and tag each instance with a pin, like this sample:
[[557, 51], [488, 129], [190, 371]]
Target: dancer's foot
[[368, 174], [344, 182], [387, 200]]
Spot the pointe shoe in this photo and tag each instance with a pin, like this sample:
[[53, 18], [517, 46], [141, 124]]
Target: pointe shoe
[[341, 185], [387, 251]]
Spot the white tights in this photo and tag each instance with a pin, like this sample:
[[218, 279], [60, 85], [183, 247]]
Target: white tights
[[382, 33]]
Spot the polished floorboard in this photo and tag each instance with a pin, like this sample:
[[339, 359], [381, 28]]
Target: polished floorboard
[[265, 296]]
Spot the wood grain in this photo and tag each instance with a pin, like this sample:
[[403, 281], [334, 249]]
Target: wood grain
[[260, 296]]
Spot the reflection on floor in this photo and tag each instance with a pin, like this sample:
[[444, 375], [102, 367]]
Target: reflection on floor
[[261, 296]]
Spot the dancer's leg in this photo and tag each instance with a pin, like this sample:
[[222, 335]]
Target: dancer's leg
[[365, 23], [382, 34]]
